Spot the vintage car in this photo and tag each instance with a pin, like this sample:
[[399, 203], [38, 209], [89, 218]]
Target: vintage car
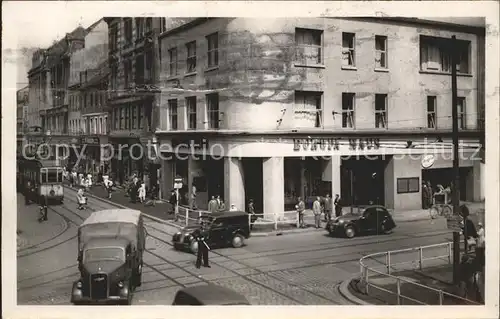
[[224, 228], [111, 244], [371, 219], [208, 295]]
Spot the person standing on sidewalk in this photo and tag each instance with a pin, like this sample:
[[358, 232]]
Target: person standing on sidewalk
[[251, 212], [142, 192], [480, 245], [338, 205], [43, 209], [317, 212], [200, 235], [173, 201], [301, 206], [328, 208], [192, 199], [213, 206], [81, 199]]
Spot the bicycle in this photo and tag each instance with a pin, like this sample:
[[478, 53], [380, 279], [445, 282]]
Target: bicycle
[[440, 209]]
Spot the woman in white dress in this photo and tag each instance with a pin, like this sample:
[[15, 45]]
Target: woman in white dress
[[142, 192], [89, 180]]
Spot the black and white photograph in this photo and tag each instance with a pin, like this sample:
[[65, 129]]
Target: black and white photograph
[[340, 154]]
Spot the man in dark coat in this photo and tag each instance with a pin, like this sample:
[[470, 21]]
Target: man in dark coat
[[327, 205], [338, 205], [213, 206], [173, 201], [200, 235]]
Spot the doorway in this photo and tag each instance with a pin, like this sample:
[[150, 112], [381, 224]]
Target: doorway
[[253, 183]]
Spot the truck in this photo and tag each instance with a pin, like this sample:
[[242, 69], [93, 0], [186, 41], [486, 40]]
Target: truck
[[111, 245]]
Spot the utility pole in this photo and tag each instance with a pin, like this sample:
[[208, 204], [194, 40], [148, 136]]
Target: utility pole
[[456, 171]]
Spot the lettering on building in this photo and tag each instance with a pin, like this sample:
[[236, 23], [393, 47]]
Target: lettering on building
[[364, 144], [314, 144], [200, 143]]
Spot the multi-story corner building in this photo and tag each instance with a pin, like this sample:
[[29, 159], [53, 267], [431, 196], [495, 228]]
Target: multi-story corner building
[[22, 99], [133, 97], [277, 109], [88, 84]]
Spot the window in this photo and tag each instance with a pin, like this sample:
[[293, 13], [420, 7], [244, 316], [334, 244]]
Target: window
[[128, 30], [114, 76], [139, 69], [140, 116], [308, 105], [213, 50], [213, 110], [134, 116], [139, 27], [461, 113], [408, 185], [113, 38], [348, 50], [191, 112], [116, 124], [381, 51], [148, 70], [105, 127], [191, 57], [172, 62], [172, 114], [127, 68], [122, 118], [348, 110], [435, 54], [127, 116], [149, 24], [309, 45], [431, 112], [380, 110]]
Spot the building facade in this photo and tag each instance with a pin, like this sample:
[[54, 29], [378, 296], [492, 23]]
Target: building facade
[[88, 85], [277, 109], [38, 88], [133, 94], [22, 99]]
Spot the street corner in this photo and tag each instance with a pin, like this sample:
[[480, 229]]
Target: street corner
[[349, 289]]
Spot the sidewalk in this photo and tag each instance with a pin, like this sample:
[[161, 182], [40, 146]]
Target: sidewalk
[[160, 211], [30, 232]]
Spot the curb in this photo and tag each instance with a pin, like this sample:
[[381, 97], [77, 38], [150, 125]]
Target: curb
[[344, 291]]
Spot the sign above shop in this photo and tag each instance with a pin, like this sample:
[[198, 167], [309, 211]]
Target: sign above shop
[[328, 144], [200, 143], [428, 160], [94, 140]]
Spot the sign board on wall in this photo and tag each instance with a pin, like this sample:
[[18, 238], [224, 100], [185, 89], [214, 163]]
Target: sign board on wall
[[428, 160], [329, 144]]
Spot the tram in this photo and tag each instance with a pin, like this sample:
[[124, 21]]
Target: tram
[[37, 178]]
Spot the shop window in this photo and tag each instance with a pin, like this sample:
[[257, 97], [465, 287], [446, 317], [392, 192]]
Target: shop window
[[191, 112], [308, 46], [461, 113], [172, 114], [408, 185], [435, 54], [172, 62], [380, 110], [213, 50], [213, 110], [348, 110], [431, 112], [381, 52], [348, 49], [128, 30], [191, 57]]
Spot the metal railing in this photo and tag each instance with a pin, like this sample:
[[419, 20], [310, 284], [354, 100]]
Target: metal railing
[[419, 259]]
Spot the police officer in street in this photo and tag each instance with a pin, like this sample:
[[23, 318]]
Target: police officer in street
[[200, 235]]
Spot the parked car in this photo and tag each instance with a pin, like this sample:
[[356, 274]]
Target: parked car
[[372, 219], [111, 244], [208, 295], [224, 228]]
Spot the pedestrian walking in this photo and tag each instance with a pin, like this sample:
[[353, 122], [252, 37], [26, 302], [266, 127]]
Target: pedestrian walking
[[317, 212], [173, 201], [43, 209], [81, 199], [142, 192], [109, 187], [301, 206], [200, 236], [338, 205], [213, 205], [192, 199], [133, 190], [480, 245], [327, 205], [251, 212]]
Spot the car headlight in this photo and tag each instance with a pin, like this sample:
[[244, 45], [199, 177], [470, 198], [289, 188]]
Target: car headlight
[[340, 221], [79, 285], [120, 284]]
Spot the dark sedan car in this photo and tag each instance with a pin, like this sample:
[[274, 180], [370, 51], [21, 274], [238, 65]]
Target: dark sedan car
[[373, 219]]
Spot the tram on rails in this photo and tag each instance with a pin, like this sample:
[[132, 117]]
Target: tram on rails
[[37, 178]]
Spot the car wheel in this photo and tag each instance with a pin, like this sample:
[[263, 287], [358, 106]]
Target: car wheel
[[193, 247], [237, 241], [350, 232], [383, 230]]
